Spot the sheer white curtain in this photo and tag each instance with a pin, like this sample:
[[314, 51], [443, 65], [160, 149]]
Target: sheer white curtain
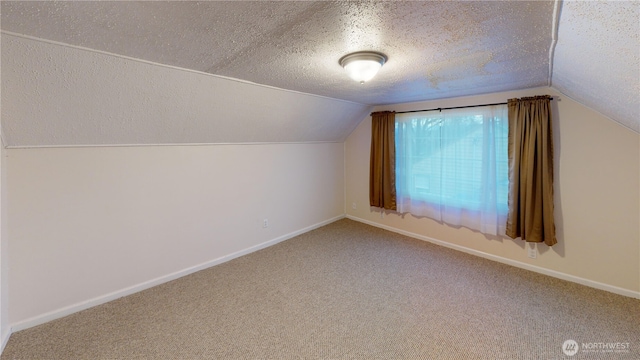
[[451, 166]]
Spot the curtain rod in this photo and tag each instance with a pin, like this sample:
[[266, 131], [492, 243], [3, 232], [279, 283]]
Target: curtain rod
[[455, 107]]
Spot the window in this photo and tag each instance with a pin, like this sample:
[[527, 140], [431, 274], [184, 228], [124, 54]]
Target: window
[[452, 166]]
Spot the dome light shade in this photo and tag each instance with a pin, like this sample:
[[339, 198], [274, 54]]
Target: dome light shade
[[363, 65]]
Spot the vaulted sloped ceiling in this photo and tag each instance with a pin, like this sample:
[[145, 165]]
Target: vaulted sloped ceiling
[[587, 50], [597, 58]]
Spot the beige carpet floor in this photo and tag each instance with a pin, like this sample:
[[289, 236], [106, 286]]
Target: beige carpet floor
[[346, 291]]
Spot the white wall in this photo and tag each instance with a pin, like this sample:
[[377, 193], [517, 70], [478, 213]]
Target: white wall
[[597, 186], [59, 95], [5, 329], [89, 223]]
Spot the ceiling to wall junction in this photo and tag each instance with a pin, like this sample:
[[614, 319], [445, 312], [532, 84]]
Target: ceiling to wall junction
[[597, 58], [436, 49]]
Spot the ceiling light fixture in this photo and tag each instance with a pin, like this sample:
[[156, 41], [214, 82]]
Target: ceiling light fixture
[[363, 65]]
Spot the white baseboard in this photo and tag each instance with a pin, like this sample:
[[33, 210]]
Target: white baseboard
[[541, 270], [5, 338], [68, 310]]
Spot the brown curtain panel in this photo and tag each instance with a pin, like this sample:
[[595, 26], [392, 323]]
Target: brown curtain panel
[[531, 170], [382, 173]]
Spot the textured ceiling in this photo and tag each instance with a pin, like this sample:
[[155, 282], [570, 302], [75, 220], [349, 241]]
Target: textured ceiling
[[435, 49], [597, 58]]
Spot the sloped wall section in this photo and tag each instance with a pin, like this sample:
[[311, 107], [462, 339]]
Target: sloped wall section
[[93, 220], [57, 95], [597, 61]]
